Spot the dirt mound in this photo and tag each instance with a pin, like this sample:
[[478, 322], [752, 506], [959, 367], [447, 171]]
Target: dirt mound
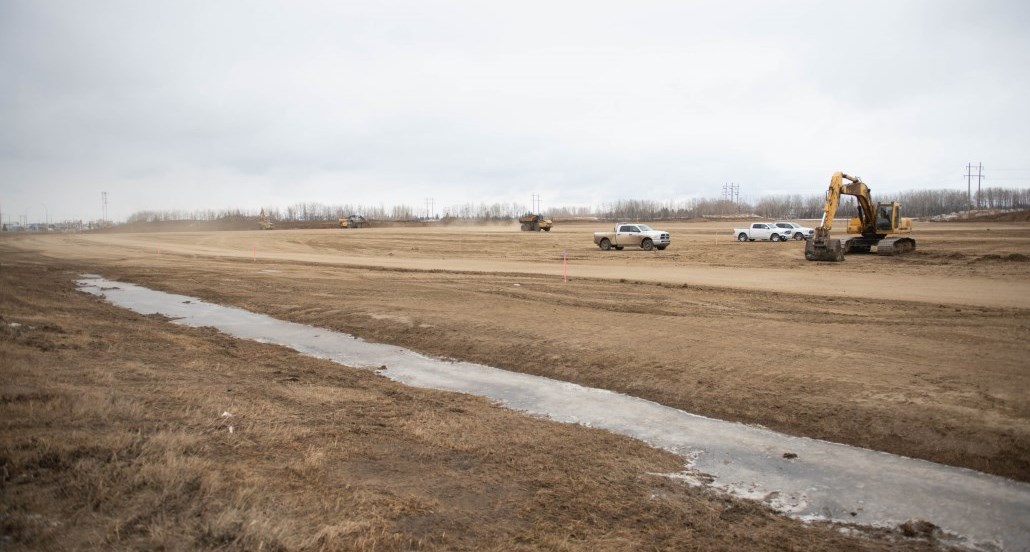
[[1005, 216]]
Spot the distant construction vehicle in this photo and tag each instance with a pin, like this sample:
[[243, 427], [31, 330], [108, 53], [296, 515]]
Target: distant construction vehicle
[[354, 221], [879, 225], [264, 222], [533, 223]]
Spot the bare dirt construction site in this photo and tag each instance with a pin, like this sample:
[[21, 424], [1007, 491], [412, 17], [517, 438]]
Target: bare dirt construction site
[[115, 426]]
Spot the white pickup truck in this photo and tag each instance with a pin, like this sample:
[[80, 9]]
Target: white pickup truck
[[762, 231], [634, 235], [799, 232]]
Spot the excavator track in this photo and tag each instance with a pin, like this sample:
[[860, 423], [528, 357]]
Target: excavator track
[[895, 246]]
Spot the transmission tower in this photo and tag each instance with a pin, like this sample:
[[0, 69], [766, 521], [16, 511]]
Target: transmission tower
[[731, 192], [103, 206], [969, 179]]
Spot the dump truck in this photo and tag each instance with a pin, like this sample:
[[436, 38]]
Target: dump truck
[[530, 222], [354, 221], [880, 225]]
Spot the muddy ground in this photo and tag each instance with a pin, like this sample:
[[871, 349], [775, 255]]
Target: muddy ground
[[924, 356]]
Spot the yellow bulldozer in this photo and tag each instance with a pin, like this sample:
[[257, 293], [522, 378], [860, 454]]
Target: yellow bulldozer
[[879, 225]]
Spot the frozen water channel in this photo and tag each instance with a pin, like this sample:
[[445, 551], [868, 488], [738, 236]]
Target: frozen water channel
[[823, 481]]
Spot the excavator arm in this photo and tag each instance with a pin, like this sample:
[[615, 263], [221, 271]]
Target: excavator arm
[[837, 188]]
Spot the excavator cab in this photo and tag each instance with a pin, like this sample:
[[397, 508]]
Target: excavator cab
[[885, 217]]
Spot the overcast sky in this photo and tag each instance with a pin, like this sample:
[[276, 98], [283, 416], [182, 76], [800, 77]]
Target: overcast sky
[[216, 104]]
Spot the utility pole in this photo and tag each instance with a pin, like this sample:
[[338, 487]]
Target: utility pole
[[979, 177], [430, 206], [103, 207], [536, 204], [969, 178]]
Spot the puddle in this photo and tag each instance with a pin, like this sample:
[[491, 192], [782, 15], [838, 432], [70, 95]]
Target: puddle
[[805, 478]]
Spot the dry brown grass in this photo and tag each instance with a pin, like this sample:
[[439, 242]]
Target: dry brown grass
[[112, 436]]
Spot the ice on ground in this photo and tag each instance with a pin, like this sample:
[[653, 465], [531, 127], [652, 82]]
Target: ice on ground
[[805, 478]]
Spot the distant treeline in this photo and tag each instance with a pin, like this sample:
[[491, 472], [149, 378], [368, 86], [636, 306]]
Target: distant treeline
[[922, 203]]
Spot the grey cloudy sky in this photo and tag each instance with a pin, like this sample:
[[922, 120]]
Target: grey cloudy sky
[[215, 104]]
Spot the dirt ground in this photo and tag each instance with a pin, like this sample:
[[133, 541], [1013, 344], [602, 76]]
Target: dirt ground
[[924, 355]]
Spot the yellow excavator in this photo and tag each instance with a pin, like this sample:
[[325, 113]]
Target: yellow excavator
[[880, 225]]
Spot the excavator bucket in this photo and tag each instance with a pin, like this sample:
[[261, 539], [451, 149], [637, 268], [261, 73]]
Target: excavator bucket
[[824, 249]]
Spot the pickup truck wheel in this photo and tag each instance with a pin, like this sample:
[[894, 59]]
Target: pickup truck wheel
[[647, 244], [741, 237], [618, 248], [775, 237], [661, 247], [605, 244], [799, 236]]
